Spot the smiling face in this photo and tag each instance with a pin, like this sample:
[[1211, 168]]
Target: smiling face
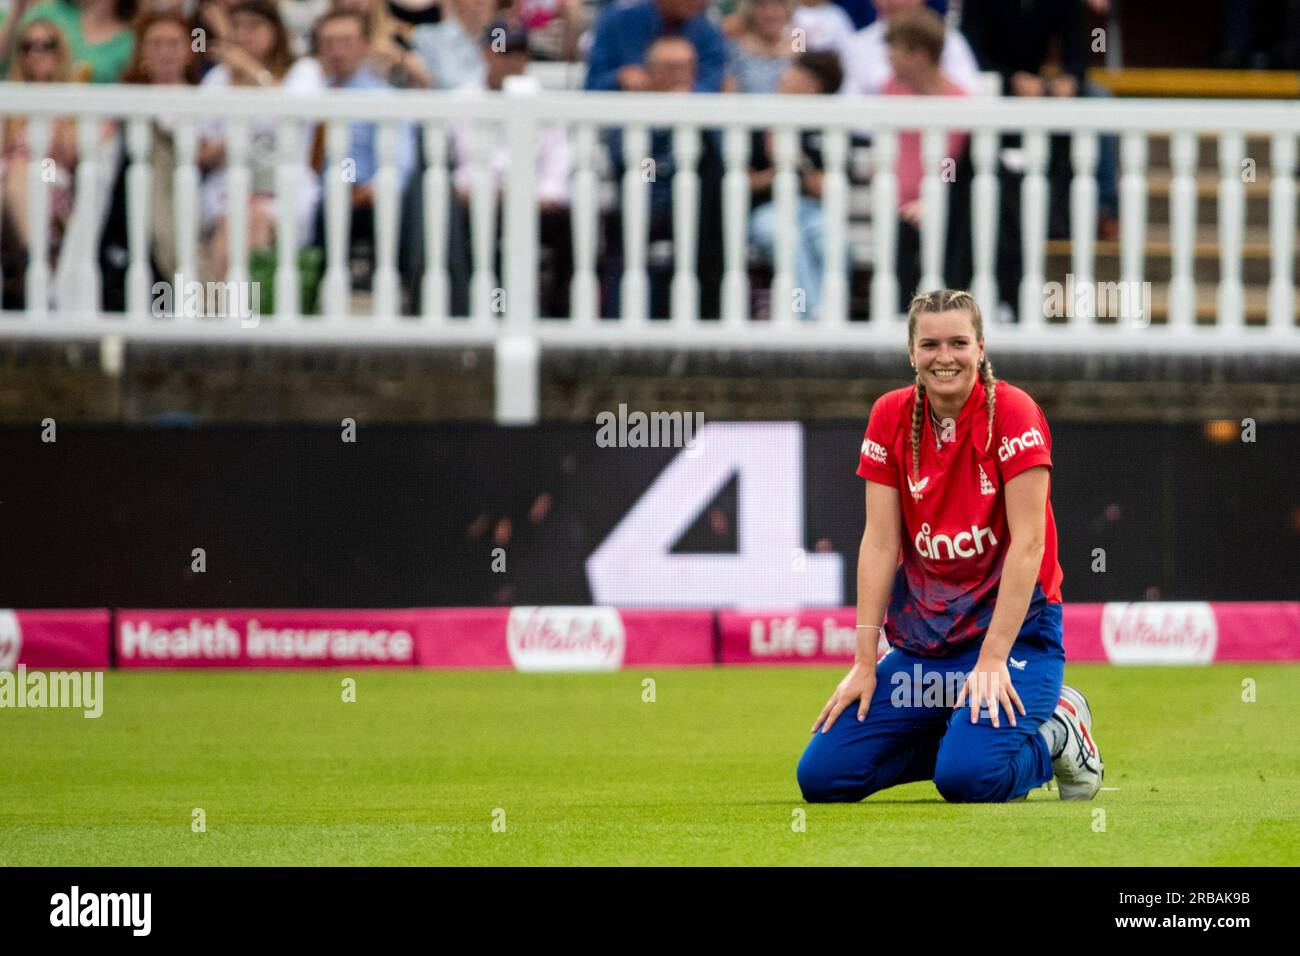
[[946, 350]]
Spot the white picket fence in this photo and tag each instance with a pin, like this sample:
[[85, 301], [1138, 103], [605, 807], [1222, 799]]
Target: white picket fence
[[62, 299]]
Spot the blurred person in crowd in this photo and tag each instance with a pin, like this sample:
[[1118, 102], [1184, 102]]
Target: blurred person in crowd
[[866, 61], [825, 26], [164, 56], [506, 50], [392, 56], [553, 26], [670, 65], [416, 12], [450, 49], [808, 74], [256, 55], [300, 18], [759, 55], [915, 40], [624, 33], [1038, 47], [863, 13], [42, 56], [97, 32], [343, 47], [211, 23]]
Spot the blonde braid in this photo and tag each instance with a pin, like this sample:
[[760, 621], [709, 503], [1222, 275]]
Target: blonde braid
[[990, 394], [916, 424]]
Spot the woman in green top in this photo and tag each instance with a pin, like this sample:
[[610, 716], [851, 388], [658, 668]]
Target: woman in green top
[[98, 33]]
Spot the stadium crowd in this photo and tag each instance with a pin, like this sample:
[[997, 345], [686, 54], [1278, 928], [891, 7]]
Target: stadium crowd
[[740, 47]]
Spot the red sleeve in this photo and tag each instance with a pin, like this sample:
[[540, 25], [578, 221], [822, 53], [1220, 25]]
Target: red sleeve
[[879, 448], [1021, 438]]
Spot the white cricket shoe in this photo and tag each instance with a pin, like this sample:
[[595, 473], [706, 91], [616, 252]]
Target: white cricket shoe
[[1079, 770]]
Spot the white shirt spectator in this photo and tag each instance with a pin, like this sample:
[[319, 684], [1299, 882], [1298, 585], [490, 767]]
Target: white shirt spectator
[[453, 58], [553, 162], [825, 26], [866, 62], [305, 76]]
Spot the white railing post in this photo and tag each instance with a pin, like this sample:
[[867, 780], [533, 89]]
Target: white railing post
[[834, 202], [336, 285], [37, 292], [81, 242], [634, 286], [1033, 230], [289, 175], [735, 215], [1232, 223], [785, 194], [934, 209], [517, 352], [185, 200], [1281, 231], [387, 302], [139, 192], [1182, 221], [1133, 223], [1083, 222], [685, 290], [984, 219], [238, 183], [434, 289], [585, 211], [884, 229]]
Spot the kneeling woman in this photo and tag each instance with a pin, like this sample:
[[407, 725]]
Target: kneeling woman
[[958, 468]]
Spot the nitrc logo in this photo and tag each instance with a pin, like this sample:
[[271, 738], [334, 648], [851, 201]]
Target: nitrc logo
[[874, 451], [966, 544], [1013, 446]]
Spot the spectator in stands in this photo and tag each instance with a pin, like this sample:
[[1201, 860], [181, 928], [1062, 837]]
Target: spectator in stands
[[163, 56], [809, 74], [97, 32], [300, 18], [344, 49], [553, 26], [671, 68], [624, 33], [825, 26], [257, 54], [451, 49], [759, 55], [506, 49], [392, 55], [915, 40], [866, 63], [42, 56]]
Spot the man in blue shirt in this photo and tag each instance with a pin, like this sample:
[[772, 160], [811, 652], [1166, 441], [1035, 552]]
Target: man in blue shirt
[[625, 31], [343, 48]]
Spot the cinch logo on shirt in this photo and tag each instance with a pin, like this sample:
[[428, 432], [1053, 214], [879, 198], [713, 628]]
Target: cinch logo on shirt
[[876, 453], [960, 546], [1013, 446]]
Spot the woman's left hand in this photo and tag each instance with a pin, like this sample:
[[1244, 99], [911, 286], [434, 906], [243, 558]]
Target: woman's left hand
[[990, 684]]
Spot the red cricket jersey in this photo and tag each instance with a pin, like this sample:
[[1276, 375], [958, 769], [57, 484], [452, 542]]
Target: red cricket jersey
[[955, 533]]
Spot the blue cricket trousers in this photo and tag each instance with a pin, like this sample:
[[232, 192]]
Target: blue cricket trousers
[[911, 735]]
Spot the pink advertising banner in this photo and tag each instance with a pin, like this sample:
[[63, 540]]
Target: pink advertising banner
[[54, 640], [266, 638]]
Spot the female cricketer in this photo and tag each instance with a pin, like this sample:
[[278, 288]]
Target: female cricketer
[[960, 544]]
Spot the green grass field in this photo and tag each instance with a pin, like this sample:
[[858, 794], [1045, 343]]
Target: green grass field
[[588, 773]]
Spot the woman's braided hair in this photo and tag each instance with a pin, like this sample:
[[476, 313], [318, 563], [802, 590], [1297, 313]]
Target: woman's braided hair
[[946, 300]]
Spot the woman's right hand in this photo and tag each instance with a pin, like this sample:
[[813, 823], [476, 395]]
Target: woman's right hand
[[859, 684]]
